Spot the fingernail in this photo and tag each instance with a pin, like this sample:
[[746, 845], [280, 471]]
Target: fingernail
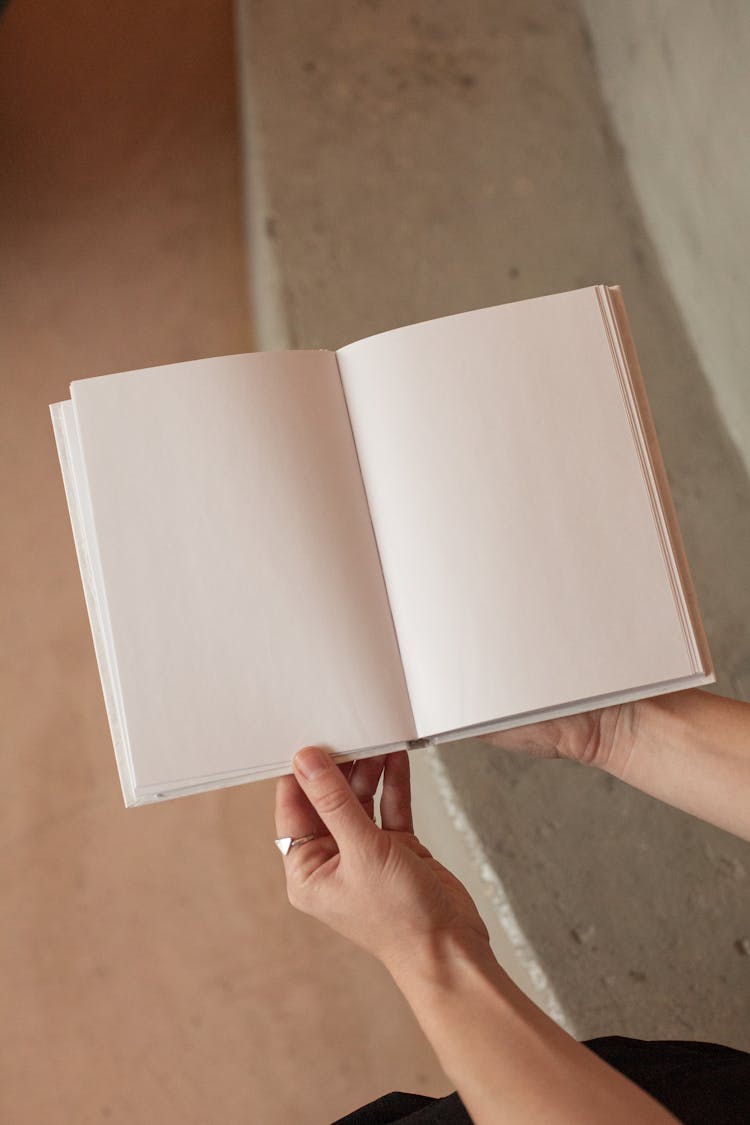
[[311, 761]]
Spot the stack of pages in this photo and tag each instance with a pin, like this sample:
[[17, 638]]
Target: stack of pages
[[443, 530]]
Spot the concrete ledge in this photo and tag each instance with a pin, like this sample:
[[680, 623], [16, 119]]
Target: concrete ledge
[[409, 160], [679, 71], [441, 822]]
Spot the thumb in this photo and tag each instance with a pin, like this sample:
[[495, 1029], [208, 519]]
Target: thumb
[[331, 796]]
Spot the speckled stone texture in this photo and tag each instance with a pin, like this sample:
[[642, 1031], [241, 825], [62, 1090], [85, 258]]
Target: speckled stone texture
[[420, 159]]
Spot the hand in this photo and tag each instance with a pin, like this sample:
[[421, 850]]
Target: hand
[[379, 887], [594, 738]]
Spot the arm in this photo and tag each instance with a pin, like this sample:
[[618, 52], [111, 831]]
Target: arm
[[690, 749], [508, 1060], [382, 889]]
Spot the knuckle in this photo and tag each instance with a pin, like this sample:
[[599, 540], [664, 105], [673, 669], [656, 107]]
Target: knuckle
[[330, 801], [403, 808]]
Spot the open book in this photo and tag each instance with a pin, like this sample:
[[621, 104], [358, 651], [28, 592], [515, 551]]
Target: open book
[[443, 530]]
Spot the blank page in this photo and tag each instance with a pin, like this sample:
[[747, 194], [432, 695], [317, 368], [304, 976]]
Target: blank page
[[515, 529], [242, 584]]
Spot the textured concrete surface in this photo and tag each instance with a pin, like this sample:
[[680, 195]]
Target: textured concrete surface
[[419, 159], [152, 970], [444, 822], [677, 87]]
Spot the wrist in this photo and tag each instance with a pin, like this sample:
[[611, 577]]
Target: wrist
[[439, 960], [646, 725], [621, 732]]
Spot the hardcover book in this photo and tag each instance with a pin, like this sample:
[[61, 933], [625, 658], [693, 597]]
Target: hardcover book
[[440, 531]]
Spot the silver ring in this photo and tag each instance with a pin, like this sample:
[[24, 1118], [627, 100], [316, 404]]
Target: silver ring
[[285, 843]]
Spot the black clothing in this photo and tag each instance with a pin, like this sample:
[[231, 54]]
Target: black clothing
[[700, 1083]]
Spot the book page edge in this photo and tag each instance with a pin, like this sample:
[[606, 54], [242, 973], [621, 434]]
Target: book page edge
[[63, 438], [148, 795], [576, 707], [664, 492]]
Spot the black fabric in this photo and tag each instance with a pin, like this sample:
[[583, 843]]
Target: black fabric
[[409, 1109], [700, 1083]]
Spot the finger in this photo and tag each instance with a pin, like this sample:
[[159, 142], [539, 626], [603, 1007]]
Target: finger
[[536, 739], [331, 796], [395, 800], [294, 815], [364, 781]]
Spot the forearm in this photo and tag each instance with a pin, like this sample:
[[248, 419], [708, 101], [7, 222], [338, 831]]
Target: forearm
[[509, 1061], [692, 750]]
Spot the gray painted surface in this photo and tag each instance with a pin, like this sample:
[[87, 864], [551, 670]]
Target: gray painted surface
[[677, 84], [441, 823], [421, 159]]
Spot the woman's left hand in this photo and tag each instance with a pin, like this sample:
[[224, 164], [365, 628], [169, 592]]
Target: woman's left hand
[[379, 887]]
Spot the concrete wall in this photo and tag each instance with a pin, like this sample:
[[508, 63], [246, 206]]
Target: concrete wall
[[676, 81], [409, 159]]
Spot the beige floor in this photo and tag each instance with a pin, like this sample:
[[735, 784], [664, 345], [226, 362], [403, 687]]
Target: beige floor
[[152, 970]]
